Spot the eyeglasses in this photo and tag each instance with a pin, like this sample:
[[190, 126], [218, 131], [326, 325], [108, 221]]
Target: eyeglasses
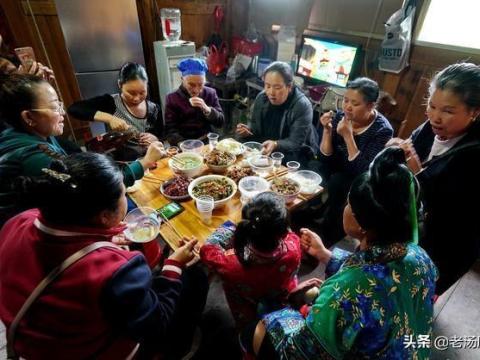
[[60, 110]]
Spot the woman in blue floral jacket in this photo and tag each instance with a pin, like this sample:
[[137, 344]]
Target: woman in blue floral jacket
[[376, 302]]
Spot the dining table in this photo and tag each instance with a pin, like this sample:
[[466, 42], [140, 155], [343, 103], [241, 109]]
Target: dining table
[[146, 193]]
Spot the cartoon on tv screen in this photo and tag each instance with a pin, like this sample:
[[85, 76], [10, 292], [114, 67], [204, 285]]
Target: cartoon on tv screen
[[326, 61]]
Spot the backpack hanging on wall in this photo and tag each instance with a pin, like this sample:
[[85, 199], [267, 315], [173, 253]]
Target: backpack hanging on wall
[[395, 47]]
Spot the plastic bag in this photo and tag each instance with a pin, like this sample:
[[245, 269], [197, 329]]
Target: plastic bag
[[395, 47]]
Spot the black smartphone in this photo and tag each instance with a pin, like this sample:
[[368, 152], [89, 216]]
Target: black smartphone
[[171, 210]]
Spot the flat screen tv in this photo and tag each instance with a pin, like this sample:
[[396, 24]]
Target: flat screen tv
[[328, 61]]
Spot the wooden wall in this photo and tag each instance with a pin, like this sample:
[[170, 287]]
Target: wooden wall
[[408, 88], [49, 49]]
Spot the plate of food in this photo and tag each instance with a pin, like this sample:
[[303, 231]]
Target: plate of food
[[236, 173], [176, 189], [286, 187], [218, 160], [221, 188], [231, 146]]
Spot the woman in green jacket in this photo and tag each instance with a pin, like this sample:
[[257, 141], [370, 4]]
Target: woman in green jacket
[[30, 105]]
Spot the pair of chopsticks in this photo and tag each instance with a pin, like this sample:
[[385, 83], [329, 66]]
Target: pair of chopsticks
[[175, 231], [277, 174], [177, 160], [169, 224], [152, 178]]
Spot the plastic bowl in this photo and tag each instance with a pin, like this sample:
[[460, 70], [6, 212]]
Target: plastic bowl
[[142, 225], [221, 169], [191, 146], [252, 148], [205, 178], [309, 181], [261, 164], [250, 186], [188, 172], [171, 197], [288, 197]]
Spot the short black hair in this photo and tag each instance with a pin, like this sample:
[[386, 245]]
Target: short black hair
[[367, 87], [132, 71], [18, 93], [94, 184], [283, 69]]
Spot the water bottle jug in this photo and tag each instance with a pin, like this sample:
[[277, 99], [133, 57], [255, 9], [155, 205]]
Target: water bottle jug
[[171, 24]]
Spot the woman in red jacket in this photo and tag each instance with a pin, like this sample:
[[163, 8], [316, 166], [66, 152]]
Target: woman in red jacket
[[109, 301]]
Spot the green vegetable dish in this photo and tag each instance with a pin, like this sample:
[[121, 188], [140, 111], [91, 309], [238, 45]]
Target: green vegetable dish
[[219, 189]]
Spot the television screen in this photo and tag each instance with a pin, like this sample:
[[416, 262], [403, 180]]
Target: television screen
[[327, 60]]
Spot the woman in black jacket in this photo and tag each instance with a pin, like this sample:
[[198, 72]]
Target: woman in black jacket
[[443, 152]]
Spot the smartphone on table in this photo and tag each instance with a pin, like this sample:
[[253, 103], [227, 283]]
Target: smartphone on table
[[26, 56], [171, 210]]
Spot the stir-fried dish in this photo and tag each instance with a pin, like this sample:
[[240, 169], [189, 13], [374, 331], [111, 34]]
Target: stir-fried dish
[[219, 189], [236, 173], [285, 186], [219, 158]]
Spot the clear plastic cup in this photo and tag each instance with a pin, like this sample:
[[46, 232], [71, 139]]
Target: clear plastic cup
[[293, 166], [143, 225], [212, 140], [277, 158], [205, 205]]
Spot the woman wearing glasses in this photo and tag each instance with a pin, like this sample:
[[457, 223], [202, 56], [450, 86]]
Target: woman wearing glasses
[[30, 105]]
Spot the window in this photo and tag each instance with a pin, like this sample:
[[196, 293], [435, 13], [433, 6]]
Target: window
[[451, 23]]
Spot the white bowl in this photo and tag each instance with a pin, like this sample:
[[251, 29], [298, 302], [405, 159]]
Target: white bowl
[[188, 172], [205, 178], [250, 186], [191, 145], [231, 146], [309, 181]]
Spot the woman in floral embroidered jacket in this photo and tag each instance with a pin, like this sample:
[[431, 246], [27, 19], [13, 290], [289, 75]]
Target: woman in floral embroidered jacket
[[375, 303], [257, 261]]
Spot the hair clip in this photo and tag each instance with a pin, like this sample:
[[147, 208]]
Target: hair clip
[[58, 176]]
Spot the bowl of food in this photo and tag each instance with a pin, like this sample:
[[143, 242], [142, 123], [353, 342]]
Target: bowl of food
[[236, 173], [221, 188], [250, 186], [191, 145], [143, 225], [308, 180], [187, 164], [286, 187], [218, 161], [261, 164], [252, 148], [231, 146], [176, 189]]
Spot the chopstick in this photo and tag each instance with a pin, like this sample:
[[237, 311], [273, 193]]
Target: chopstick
[[181, 162], [169, 224], [277, 174]]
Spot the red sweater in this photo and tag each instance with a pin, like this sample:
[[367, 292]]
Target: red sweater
[[90, 310], [260, 286]]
